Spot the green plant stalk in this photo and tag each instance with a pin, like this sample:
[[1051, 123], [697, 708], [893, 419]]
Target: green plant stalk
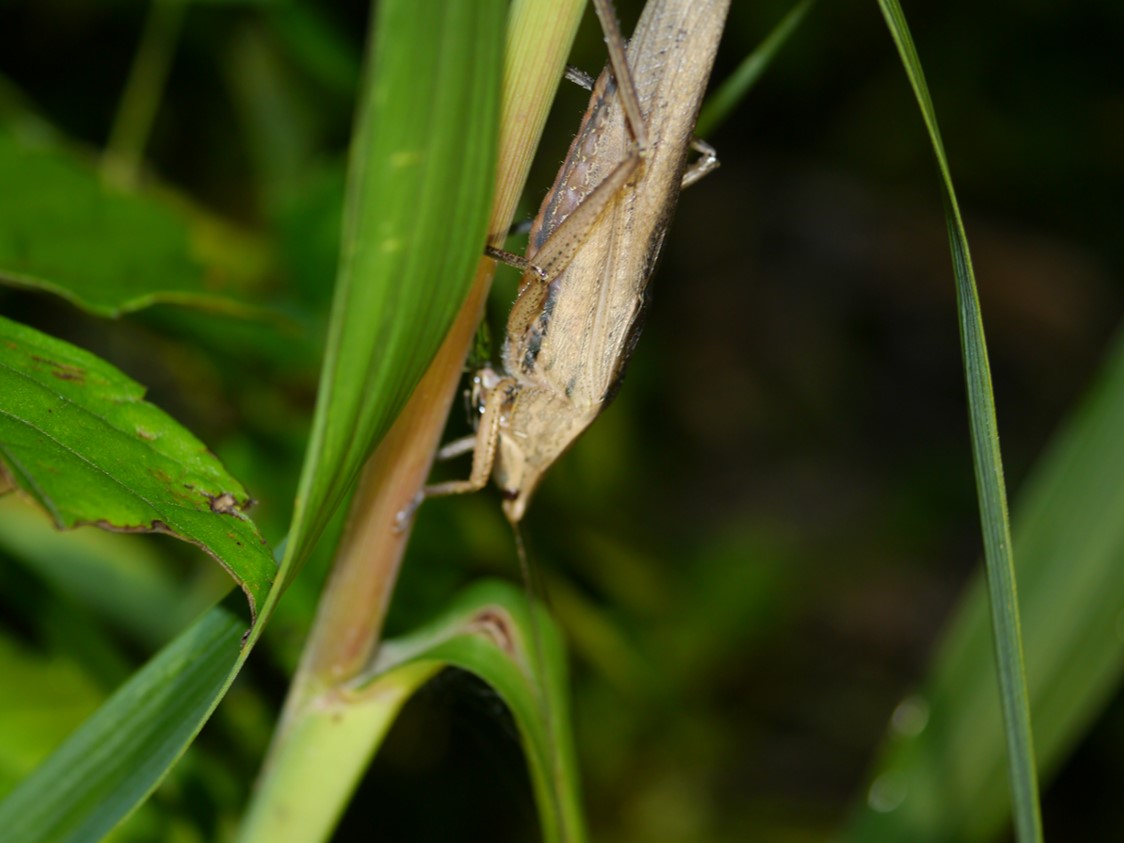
[[349, 621], [143, 90], [734, 89], [326, 752]]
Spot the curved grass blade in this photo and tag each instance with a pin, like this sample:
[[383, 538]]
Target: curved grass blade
[[999, 558], [77, 436], [488, 631], [399, 290], [492, 633], [733, 90]]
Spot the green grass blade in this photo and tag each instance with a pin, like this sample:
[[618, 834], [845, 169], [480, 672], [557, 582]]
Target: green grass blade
[[335, 742], [119, 755], [732, 91], [490, 632], [487, 630], [418, 198], [1069, 537], [998, 553]]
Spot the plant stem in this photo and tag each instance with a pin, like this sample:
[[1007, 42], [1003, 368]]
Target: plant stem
[[346, 633], [135, 115]]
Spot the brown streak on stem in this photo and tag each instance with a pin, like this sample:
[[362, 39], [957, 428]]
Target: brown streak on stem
[[371, 549]]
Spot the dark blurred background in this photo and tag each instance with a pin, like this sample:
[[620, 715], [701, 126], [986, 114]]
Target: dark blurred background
[[754, 550]]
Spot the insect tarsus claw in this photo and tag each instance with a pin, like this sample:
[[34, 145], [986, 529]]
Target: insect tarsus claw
[[406, 514]]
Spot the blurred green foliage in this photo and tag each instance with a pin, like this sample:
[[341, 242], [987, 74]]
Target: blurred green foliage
[[754, 550]]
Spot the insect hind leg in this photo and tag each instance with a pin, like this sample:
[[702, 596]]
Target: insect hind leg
[[626, 86]]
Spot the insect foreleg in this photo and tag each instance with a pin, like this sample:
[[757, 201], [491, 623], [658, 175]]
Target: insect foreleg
[[483, 447]]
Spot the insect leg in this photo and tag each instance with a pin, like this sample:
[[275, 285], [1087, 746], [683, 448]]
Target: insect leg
[[626, 87], [464, 445], [707, 162], [518, 261], [483, 446], [559, 249], [580, 222], [579, 77]]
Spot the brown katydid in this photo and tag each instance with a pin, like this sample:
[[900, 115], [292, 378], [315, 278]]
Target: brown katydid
[[592, 250]]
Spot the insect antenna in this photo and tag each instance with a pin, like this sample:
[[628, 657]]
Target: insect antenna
[[538, 604]]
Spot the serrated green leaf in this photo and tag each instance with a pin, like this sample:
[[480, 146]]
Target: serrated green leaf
[[77, 436]]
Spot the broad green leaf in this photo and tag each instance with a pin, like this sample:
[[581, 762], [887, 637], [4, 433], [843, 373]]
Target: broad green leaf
[[64, 230], [998, 554], [422, 159], [941, 777], [77, 436], [488, 631]]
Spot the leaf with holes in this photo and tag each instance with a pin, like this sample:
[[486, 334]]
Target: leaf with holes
[[77, 436]]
